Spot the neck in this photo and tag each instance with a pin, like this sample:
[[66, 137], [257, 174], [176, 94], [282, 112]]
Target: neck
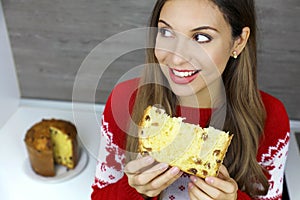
[[212, 96]]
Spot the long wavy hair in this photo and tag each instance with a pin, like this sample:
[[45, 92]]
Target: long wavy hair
[[245, 113]]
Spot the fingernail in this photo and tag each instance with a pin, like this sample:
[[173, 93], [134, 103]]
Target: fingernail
[[174, 170], [209, 180], [191, 185], [163, 166], [149, 159], [194, 179]]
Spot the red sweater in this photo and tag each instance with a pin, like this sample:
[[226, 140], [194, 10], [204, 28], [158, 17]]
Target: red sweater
[[110, 181]]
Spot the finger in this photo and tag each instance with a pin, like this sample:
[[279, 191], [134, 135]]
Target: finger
[[167, 178], [155, 187], [136, 166], [139, 156], [148, 175], [227, 186], [208, 189], [192, 195], [196, 194], [223, 170], [224, 174]]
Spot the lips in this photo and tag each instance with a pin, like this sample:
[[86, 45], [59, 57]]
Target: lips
[[183, 76]]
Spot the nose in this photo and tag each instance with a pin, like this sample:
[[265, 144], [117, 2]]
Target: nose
[[177, 59], [179, 54]]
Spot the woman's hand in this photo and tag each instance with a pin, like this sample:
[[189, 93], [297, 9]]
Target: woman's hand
[[150, 178], [218, 188]]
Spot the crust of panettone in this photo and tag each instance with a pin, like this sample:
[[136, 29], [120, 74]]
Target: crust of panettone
[[41, 162], [146, 112], [142, 123], [185, 167]]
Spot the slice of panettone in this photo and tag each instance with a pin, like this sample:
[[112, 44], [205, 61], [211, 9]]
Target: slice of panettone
[[195, 150]]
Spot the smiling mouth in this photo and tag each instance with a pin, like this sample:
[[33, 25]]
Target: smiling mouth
[[184, 73], [182, 77]]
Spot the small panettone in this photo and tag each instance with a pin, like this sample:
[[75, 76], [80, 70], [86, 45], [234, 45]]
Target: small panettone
[[51, 142], [195, 150]]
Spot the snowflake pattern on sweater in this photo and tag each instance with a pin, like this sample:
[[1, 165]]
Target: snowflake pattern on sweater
[[274, 160], [111, 159]]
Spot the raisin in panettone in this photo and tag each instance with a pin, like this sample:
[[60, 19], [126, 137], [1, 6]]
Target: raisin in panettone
[[195, 150], [51, 142]]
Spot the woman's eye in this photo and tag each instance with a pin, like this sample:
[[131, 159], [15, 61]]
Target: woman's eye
[[201, 38], [165, 32]]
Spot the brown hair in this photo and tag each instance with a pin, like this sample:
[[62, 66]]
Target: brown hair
[[245, 113]]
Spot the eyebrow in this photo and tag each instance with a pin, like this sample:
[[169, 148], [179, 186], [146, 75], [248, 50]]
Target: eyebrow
[[193, 30]]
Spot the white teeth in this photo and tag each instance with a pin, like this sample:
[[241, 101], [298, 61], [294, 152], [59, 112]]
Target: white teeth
[[183, 74]]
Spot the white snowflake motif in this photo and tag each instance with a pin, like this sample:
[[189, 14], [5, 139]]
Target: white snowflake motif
[[274, 161], [111, 159]]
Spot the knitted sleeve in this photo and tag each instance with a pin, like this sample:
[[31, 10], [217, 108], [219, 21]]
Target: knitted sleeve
[[273, 149], [110, 181]]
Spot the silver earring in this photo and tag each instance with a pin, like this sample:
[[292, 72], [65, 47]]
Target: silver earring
[[234, 54]]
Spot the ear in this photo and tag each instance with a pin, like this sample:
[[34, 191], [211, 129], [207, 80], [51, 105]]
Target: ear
[[240, 42]]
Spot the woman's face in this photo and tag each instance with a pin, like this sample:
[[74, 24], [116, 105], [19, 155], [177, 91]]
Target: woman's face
[[193, 45]]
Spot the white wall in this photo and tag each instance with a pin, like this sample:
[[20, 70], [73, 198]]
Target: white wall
[[9, 89]]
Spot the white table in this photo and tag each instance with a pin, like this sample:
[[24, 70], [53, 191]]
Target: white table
[[15, 183]]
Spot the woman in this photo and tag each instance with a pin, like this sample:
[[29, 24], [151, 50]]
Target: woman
[[203, 68]]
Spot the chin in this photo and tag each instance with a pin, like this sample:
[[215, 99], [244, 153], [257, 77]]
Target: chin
[[184, 90]]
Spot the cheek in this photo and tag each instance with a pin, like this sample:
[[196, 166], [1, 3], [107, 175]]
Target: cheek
[[221, 62], [160, 55], [220, 58]]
